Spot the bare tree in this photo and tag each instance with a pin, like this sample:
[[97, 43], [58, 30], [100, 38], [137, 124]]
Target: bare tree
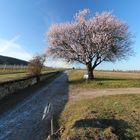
[[90, 41], [36, 64]]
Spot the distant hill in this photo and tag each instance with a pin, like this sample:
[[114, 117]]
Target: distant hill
[[11, 61]]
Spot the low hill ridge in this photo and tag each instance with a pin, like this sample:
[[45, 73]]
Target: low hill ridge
[[11, 61]]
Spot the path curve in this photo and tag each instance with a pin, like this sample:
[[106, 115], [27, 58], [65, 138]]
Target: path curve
[[77, 94]]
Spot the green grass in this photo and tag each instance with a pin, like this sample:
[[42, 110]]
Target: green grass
[[109, 118], [104, 80]]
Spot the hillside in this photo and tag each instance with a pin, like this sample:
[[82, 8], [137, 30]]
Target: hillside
[[11, 61]]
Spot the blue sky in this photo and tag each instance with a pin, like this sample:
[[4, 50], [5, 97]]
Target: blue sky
[[23, 24]]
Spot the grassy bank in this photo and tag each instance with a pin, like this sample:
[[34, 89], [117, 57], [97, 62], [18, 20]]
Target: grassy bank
[[8, 77], [112, 117], [18, 75], [105, 79]]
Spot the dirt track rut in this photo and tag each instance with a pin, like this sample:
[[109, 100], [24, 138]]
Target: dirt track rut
[[77, 94]]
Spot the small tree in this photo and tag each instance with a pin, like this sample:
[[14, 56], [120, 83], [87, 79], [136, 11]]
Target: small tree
[[36, 64], [90, 41]]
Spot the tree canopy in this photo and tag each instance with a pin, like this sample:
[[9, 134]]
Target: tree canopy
[[90, 41]]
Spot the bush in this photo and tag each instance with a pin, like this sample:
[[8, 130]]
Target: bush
[[36, 64]]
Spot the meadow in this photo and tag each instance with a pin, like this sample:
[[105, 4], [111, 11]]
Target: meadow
[[114, 117], [105, 79]]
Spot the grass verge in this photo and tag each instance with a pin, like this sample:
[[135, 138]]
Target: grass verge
[[9, 77], [105, 79], [19, 75], [108, 118]]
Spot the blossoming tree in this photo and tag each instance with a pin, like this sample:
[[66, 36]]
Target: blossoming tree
[[90, 41]]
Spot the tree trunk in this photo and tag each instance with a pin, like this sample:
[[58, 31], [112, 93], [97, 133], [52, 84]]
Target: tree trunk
[[90, 71]]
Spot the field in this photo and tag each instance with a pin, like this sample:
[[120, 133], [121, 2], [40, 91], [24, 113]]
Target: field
[[114, 117], [105, 79], [102, 109], [8, 77], [17, 73]]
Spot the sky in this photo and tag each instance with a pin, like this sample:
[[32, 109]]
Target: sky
[[24, 23]]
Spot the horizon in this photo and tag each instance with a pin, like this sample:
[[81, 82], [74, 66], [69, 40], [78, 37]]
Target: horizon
[[24, 24]]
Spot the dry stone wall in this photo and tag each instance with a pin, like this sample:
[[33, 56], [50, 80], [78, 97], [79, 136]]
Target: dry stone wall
[[10, 87]]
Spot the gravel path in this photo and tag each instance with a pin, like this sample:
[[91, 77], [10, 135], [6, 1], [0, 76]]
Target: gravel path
[[24, 122]]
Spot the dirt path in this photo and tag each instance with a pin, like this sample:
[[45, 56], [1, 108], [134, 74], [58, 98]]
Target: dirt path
[[77, 94], [24, 121]]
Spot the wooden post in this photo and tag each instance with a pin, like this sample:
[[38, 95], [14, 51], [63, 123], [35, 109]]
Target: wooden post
[[49, 109], [51, 119], [52, 125], [13, 67], [4, 67]]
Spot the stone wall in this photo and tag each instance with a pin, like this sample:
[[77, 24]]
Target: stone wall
[[10, 87]]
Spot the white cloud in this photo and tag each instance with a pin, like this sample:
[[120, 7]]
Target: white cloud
[[59, 63], [13, 49]]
